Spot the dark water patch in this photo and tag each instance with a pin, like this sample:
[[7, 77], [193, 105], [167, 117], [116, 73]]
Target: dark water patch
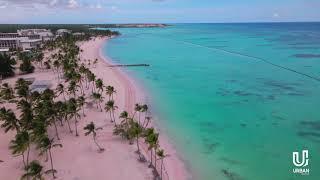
[[230, 175], [223, 92], [264, 45], [211, 127], [304, 43], [231, 81], [210, 148], [280, 85], [230, 161], [218, 46], [219, 41], [242, 93], [278, 117], [312, 136], [314, 125], [275, 115], [303, 47], [270, 97], [295, 94], [307, 56], [243, 125]]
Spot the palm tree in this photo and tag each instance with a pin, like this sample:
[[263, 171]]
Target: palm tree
[[57, 65], [26, 66], [22, 88], [110, 91], [143, 109], [34, 171], [6, 92], [73, 88], [10, 122], [26, 115], [60, 90], [73, 109], [81, 102], [99, 85], [161, 155], [83, 71], [98, 98], [55, 116], [137, 108], [111, 107], [20, 145], [95, 62], [151, 138], [147, 121], [78, 79], [91, 78], [90, 128], [124, 115], [135, 131], [6, 66], [45, 146]]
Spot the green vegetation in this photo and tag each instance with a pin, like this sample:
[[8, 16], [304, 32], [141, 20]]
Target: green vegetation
[[40, 111], [6, 66], [12, 28], [91, 129]]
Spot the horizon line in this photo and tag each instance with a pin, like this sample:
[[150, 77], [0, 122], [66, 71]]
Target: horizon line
[[243, 22]]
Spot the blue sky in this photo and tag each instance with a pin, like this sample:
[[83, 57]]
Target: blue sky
[[157, 11]]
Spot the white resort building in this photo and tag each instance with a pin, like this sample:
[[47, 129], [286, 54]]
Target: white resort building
[[24, 39]]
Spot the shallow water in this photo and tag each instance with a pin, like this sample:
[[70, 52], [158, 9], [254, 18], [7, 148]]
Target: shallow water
[[236, 99]]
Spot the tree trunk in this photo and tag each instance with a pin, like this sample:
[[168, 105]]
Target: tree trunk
[[28, 154], [55, 126], [114, 119], [51, 163], [61, 123], [69, 126], [64, 97], [161, 169], [151, 158], [76, 125], [95, 141], [83, 112], [137, 140], [110, 116], [100, 105], [24, 162], [155, 160], [139, 119]]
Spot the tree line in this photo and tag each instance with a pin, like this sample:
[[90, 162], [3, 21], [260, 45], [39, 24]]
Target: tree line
[[65, 106]]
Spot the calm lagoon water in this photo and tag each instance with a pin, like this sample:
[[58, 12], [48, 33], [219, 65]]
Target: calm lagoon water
[[236, 99]]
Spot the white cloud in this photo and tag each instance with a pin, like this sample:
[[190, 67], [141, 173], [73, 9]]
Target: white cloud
[[276, 15], [73, 4], [3, 5], [53, 2]]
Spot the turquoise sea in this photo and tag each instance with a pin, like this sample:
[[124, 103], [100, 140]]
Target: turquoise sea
[[236, 99]]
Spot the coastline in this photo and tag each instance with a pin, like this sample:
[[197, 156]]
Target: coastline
[[78, 158], [175, 167]]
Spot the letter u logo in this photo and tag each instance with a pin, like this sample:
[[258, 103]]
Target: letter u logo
[[304, 159]]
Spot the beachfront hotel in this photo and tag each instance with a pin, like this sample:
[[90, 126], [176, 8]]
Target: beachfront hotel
[[24, 39]]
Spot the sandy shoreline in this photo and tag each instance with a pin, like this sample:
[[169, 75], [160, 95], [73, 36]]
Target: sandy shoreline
[[175, 167], [78, 159]]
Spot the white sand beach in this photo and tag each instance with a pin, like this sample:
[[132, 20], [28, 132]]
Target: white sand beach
[[79, 159]]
